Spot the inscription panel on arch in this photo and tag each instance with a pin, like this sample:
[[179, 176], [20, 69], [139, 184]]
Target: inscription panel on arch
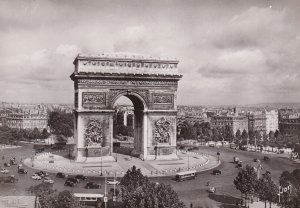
[[93, 98], [163, 99]]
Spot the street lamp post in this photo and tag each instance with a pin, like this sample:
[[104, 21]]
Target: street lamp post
[[101, 161], [188, 161]]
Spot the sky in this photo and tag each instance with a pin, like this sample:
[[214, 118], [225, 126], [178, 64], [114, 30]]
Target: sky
[[230, 51]]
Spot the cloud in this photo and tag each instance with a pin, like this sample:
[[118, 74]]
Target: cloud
[[229, 51]]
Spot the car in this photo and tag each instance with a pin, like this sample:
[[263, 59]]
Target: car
[[255, 160], [81, 177], [22, 171], [73, 180], [4, 171], [236, 159], [6, 164], [36, 177], [112, 182], [61, 175], [42, 173], [48, 180], [216, 172], [266, 158], [70, 183], [13, 162], [92, 185], [211, 189]]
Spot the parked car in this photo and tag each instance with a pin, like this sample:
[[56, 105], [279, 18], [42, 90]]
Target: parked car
[[48, 180], [211, 189], [73, 180], [266, 158], [255, 160], [6, 164], [216, 172], [92, 185], [112, 181], [36, 177], [61, 175], [42, 173], [4, 171], [70, 183], [22, 171], [81, 177], [236, 159]]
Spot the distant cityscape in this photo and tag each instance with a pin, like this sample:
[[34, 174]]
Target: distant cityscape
[[263, 118]]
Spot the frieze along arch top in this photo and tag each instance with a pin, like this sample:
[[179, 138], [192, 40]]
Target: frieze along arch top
[[150, 83]]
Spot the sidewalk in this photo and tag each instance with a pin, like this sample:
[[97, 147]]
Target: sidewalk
[[154, 168]]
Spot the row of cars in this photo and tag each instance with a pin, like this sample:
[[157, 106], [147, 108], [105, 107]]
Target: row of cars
[[73, 181], [43, 176]]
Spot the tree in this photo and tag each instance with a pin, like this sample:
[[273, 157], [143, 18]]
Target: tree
[[246, 181], [290, 199], [138, 192], [61, 123], [228, 131], [65, 199], [49, 198], [276, 134], [35, 134], [244, 135], [238, 134], [45, 134], [271, 135], [130, 182], [266, 189]]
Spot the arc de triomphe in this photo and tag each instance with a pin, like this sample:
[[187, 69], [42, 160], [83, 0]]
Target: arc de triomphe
[[150, 83]]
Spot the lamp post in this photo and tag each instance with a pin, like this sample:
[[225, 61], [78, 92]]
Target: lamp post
[[188, 161], [101, 161]]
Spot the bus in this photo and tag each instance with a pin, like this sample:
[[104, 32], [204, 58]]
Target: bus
[[186, 175], [89, 198]]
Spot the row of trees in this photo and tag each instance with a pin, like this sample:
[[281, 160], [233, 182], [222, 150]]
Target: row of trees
[[12, 136], [248, 183], [204, 131]]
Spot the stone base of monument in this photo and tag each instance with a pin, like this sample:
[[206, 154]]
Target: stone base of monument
[[95, 159]]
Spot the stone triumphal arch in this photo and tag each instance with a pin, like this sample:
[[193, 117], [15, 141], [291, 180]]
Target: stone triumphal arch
[[150, 83]]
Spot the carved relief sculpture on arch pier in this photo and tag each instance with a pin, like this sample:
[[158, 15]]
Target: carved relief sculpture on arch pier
[[150, 83]]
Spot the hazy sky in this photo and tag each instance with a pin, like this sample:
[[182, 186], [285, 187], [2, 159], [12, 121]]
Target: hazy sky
[[230, 51]]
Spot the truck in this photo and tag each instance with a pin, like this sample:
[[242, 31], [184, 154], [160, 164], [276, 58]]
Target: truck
[[8, 179]]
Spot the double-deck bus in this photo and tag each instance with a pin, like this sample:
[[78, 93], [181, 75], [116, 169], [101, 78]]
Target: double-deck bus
[[186, 175], [89, 198]]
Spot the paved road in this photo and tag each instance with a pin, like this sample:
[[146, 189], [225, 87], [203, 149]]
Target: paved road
[[193, 191]]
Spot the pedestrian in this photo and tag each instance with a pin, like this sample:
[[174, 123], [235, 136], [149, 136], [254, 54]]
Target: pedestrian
[[208, 183]]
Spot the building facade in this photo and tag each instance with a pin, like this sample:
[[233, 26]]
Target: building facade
[[235, 122], [27, 121], [271, 121], [257, 122]]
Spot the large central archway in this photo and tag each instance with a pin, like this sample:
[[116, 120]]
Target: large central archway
[[139, 106], [151, 85]]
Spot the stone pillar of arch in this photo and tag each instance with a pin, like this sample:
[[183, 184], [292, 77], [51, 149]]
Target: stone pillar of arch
[[150, 83]]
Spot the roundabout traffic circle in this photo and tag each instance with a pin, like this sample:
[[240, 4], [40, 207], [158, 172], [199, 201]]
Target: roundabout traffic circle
[[54, 163]]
